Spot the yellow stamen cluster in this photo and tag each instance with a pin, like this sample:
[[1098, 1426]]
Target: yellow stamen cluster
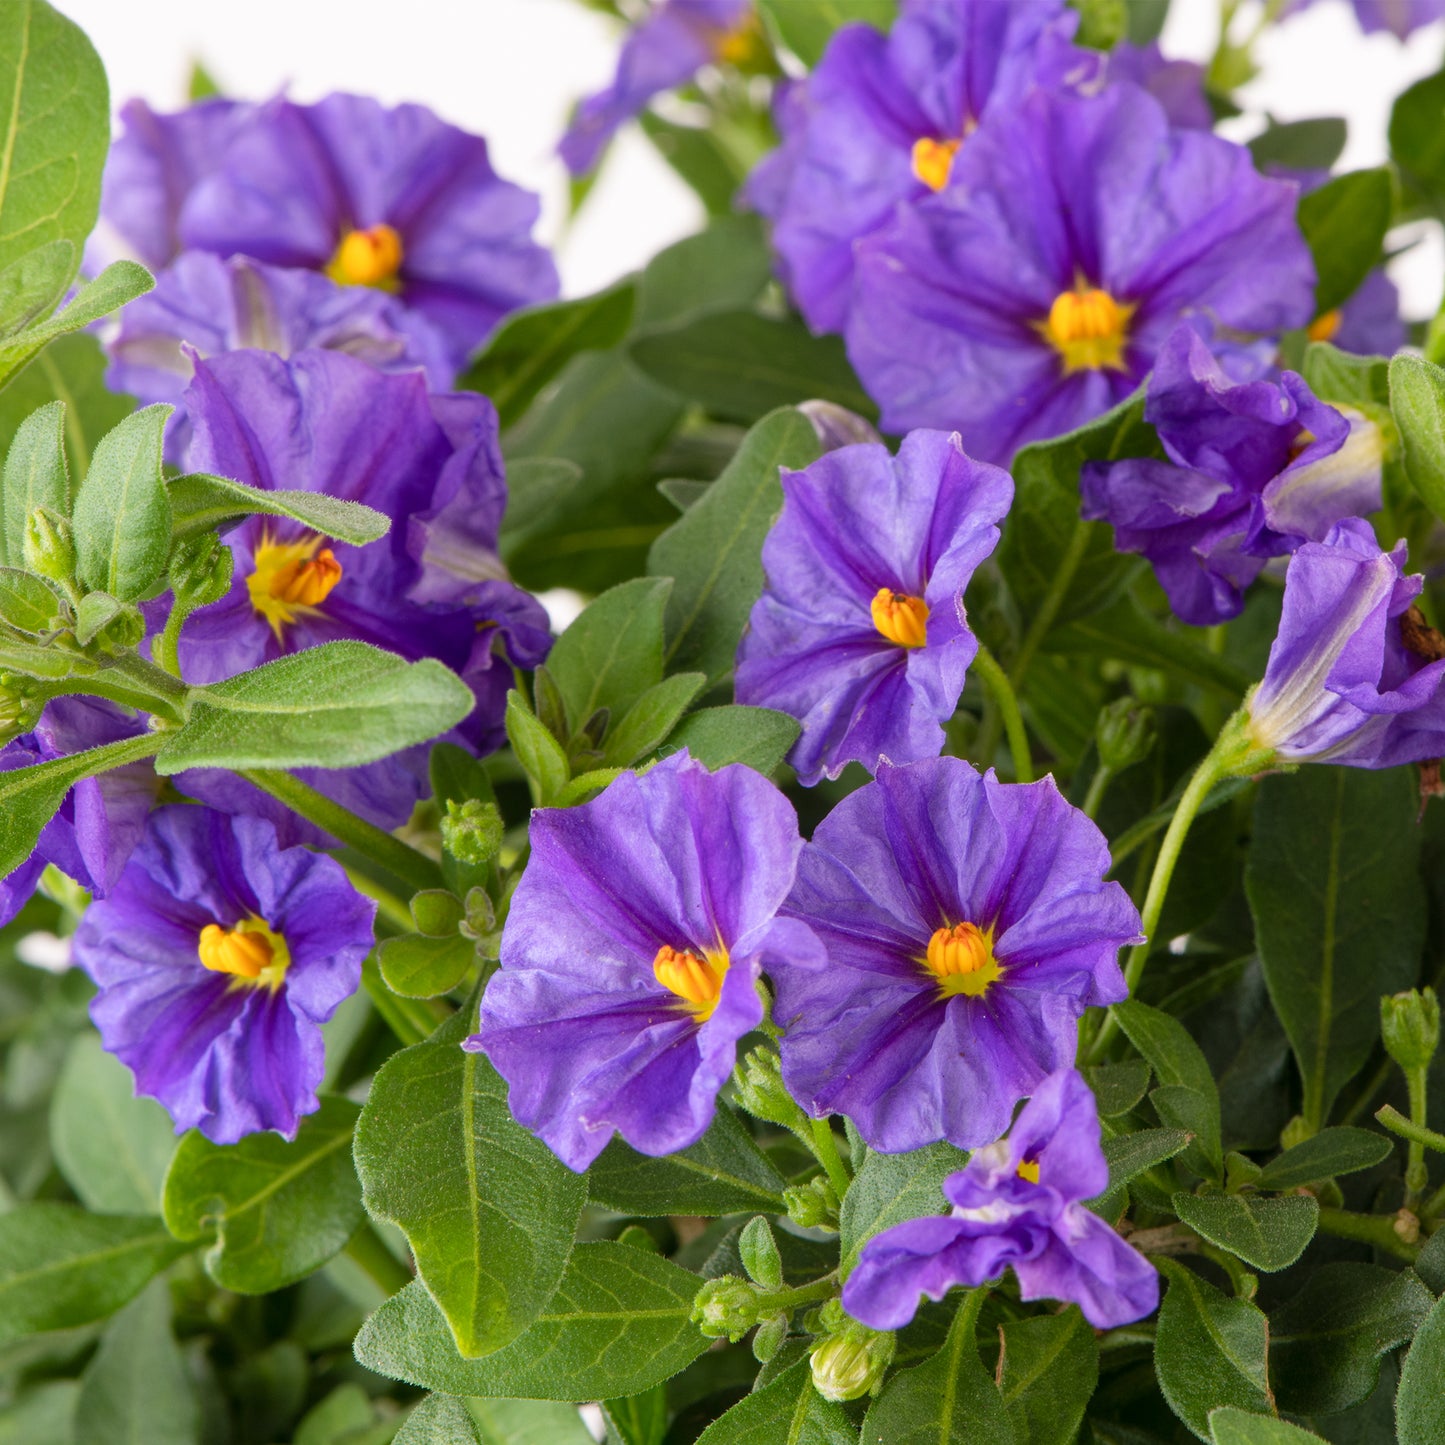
[[1325, 327], [961, 959], [899, 617], [251, 952], [933, 160], [1089, 330], [368, 258], [290, 578], [1029, 1169], [696, 979], [744, 44]]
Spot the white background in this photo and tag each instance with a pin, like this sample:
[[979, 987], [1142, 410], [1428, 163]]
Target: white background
[[510, 70]]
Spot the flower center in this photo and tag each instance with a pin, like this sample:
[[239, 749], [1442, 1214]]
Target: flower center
[[1325, 327], [368, 258], [290, 578], [933, 160], [961, 959], [1088, 329], [250, 952], [696, 979], [899, 617], [1029, 1169], [744, 44]]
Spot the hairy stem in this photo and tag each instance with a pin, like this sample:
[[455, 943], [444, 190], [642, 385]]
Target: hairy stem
[[825, 1147], [997, 683], [1098, 786], [1375, 1229], [1397, 1123]]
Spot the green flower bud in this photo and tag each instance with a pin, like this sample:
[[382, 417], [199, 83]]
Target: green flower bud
[[1124, 733], [472, 831], [49, 546], [813, 1205], [759, 1251], [1410, 1023], [726, 1306], [852, 1363], [768, 1338], [761, 1091], [18, 712], [200, 571], [1102, 23]]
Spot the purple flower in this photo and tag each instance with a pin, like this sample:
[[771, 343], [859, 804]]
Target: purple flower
[[666, 50], [1178, 85], [218, 956], [1255, 468], [91, 838], [1036, 289], [861, 633], [394, 199], [1369, 323], [203, 306], [1016, 1203], [966, 928], [1399, 17], [881, 120], [1350, 678], [631, 955]]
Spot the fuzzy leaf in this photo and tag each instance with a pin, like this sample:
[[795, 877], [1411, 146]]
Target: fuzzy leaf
[[201, 502], [756, 736], [1327, 1155], [35, 475], [1269, 1234], [1419, 1401], [1047, 1371], [786, 1411], [890, 1188]]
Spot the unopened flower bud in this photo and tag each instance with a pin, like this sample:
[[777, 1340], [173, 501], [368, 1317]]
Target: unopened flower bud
[[852, 1363], [768, 1338], [1124, 733], [836, 426], [49, 547], [200, 571], [726, 1306], [472, 831], [759, 1251], [813, 1205], [1410, 1023], [18, 713], [761, 1091]]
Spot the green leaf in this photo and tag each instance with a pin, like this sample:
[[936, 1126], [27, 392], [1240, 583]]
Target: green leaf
[[701, 158], [137, 1387], [612, 652], [29, 603], [120, 282], [112, 1147], [344, 1417], [1269, 1234], [1417, 142], [1430, 1263], [649, 722], [279, 1209], [1129, 1155], [890, 1188], [740, 365], [756, 736], [537, 490], [96, 611], [713, 551], [1339, 913], [948, 1400], [1118, 1087], [60, 1266], [489, 1211], [723, 1173], [332, 706], [619, 1323], [1238, 1427], [1300, 145], [526, 1422], [1047, 1371], [1344, 223], [54, 131], [539, 753], [1209, 1350], [1420, 1402], [1327, 1155], [1417, 401], [719, 269], [1326, 1342], [201, 502], [32, 287], [531, 346], [42, 1415], [35, 475], [418, 966], [786, 1411], [637, 1419], [440, 1420], [122, 513], [805, 26]]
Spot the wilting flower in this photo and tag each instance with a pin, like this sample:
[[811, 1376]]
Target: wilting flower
[[393, 199], [881, 119], [631, 955], [666, 50], [1355, 676], [1037, 288], [860, 633], [218, 956], [91, 837], [1017, 1203], [202, 306], [1255, 468], [966, 928]]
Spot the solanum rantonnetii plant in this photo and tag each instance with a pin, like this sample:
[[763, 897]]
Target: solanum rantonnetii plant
[[941, 946]]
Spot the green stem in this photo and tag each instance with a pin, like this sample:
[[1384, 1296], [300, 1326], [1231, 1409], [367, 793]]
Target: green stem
[[1375, 1229], [367, 1249], [825, 1146], [401, 859], [1098, 786], [1434, 1205], [410, 1019], [1417, 1174], [166, 649], [997, 683], [388, 905], [1049, 607], [1397, 1123], [776, 1301]]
